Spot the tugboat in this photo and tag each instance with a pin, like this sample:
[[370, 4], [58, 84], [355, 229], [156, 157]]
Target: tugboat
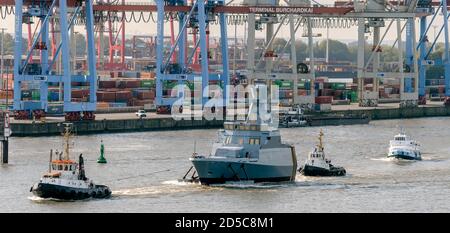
[[317, 165], [402, 147], [65, 179]]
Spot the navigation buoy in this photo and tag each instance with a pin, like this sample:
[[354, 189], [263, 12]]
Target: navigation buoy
[[101, 159]]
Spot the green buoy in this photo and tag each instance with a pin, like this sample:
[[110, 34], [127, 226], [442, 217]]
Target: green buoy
[[101, 159]]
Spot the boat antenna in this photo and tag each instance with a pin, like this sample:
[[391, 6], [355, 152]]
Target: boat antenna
[[50, 163], [195, 147]]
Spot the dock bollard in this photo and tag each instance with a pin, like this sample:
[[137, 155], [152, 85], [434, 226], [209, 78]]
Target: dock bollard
[[101, 159]]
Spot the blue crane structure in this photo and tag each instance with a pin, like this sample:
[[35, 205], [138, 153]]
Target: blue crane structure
[[439, 9], [38, 74], [197, 18]]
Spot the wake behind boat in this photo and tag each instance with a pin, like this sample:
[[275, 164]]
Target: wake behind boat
[[66, 179], [403, 147]]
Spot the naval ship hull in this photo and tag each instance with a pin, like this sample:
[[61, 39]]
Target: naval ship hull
[[45, 190], [218, 172]]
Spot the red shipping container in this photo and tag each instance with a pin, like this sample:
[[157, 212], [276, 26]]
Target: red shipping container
[[152, 94], [142, 95], [327, 92], [107, 84], [104, 96], [142, 102], [324, 99], [133, 84], [302, 92], [80, 93], [123, 96]]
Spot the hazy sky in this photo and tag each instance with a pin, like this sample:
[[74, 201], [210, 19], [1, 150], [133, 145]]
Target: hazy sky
[[150, 28]]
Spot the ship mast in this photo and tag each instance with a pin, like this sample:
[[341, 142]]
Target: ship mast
[[66, 140], [320, 140]]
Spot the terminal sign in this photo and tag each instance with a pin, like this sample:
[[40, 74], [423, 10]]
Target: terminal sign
[[40, 78], [281, 10]]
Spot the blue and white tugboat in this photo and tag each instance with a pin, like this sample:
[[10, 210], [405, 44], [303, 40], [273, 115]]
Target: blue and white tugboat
[[318, 165], [66, 179], [403, 147]]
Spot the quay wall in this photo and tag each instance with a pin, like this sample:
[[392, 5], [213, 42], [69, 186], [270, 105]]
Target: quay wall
[[136, 125]]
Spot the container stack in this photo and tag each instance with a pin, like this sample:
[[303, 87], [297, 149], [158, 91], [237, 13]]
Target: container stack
[[127, 88], [323, 103]]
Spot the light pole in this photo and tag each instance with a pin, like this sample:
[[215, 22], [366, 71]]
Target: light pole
[[1, 59], [74, 47]]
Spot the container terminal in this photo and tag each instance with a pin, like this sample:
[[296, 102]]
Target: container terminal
[[98, 75]]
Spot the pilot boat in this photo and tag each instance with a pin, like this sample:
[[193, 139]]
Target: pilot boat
[[318, 165], [403, 147], [66, 179]]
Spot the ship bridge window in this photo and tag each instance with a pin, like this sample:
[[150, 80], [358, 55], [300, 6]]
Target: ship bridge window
[[254, 141], [241, 141]]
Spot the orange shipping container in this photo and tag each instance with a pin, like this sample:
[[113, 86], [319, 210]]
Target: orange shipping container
[[6, 94]]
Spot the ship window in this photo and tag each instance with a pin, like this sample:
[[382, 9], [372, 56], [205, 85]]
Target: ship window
[[60, 167], [241, 141], [65, 168], [253, 127], [254, 141], [247, 127]]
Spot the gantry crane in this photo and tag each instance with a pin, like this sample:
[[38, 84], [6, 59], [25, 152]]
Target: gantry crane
[[371, 16], [38, 74]]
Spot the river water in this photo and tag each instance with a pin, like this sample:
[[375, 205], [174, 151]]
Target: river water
[[143, 169]]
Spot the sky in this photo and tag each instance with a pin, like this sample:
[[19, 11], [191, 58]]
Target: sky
[[346, 35]]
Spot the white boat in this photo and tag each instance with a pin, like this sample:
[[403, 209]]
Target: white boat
[[403, 147], [293, 117], [318, 165]]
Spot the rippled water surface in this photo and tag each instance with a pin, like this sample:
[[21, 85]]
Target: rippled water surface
[[143, 169]]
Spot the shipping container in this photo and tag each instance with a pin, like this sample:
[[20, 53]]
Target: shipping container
[[26, 94], [107, 84], [117, 104], [150, 83], [55, 109], [322, 107], [105, 96], [35, 95], [338, 86], [324, 100], [123, 96]]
